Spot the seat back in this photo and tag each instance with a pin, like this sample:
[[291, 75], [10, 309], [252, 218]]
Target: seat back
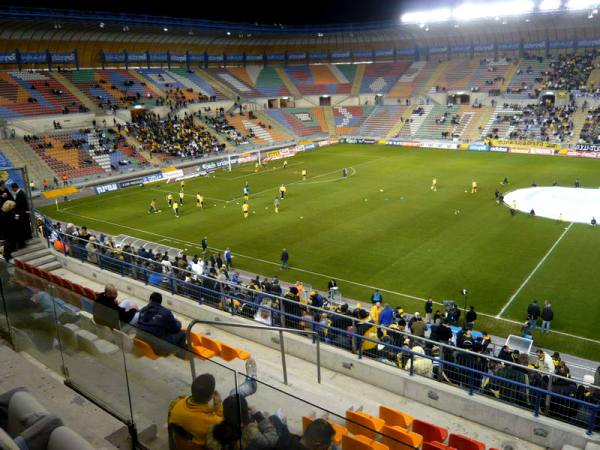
[[364, 424], [361, 443], [63, 438], [142, 348], [397, 438], [228, 352], [429, 431], [211, 344], [462, 442], [394, 417], [436, 446]]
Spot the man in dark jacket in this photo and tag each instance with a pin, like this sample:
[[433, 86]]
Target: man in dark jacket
[[547, 317], [107, 310], [533, 310], [22, 208], [158, 321]]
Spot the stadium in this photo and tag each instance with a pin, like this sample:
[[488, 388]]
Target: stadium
[[339, 230]]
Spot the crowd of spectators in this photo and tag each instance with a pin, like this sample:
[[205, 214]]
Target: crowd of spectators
[[176, 136], [589, 132], [219, 123], [570, 72], [541, 122]]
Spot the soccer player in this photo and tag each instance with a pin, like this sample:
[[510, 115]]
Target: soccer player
[[245, 209], [577, 183], [182, 184], [152, 209], [199, 201], [170, 200], [276, 204], [256, 167], [344, 172], [246, 192], [434, 184], [181, 196], [505, 181], [282, 191], [473, 187], [204, 245], [176, 209], [304, 174], [285, 163]]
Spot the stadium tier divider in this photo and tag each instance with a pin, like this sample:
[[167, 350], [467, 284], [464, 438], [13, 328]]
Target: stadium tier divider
[[477, 373]]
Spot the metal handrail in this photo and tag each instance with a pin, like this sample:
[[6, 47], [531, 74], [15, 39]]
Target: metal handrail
[[256, 327]]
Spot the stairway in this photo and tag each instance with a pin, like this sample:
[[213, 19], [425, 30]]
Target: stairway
[[328, 113], [358, 78], [508, 76], [278, 127], [288, 83], [395, 131], [38, 254], [84, 99], [211, 131], [578, 121], [133, 143], [22, 155], [217, 84]]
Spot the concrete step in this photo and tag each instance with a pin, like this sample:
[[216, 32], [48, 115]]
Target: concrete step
[[48, 258], [49, 267], [33, 253], [22, 254]]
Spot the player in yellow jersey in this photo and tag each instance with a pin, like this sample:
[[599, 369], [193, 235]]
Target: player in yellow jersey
[[170, 200], [282, 191], [304, 174], [434, 184], [176, 209], [152, 208], [473, 187], [181, 196], [182, 184], [285, 163], [199, 201], [256, 167], [246, 209], [276, 204]]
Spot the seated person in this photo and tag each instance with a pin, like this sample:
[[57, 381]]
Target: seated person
[[317, 436], [107, 310], [158, 321], [192, 417]]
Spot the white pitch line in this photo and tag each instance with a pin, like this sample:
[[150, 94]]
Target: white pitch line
[[400, 294], [269, 170], [535, 269]]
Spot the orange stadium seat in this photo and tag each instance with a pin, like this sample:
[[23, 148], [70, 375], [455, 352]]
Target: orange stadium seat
[[359, 422], [199, 349], [429, 431], [340, 430], [461, 442], [211, 344], [394, 417], [142, 348], [228, 353], [361, 443], [398, 438]]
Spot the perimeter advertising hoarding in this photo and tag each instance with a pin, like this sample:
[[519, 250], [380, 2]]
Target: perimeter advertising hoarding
[[583, 154], [528, 143], [520, 150], [478, 147], [588, 147], [106, 188], [498, 148]]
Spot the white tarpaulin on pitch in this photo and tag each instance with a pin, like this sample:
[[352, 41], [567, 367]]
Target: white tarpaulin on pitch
[[575, 204]]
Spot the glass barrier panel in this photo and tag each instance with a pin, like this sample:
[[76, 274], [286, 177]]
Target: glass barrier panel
[[161, 384], [32, 315]]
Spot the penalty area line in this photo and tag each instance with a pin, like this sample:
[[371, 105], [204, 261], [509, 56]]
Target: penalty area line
[[532, 273]]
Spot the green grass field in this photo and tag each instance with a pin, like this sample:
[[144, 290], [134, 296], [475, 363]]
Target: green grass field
[[384, 227]]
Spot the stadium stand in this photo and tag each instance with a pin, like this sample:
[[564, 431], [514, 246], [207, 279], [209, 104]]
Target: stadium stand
[[13, 175], [414, 81], [527, 80], [259, 132], [379, 78], [590, 131], [302, 122], [111, 88], [29, 93], [252, 81], [191, 80], [349, 119], [326, 79], [381, 120]]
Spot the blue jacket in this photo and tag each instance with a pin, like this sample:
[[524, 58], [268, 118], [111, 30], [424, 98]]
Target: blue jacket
[[157, 320], [386, 316]]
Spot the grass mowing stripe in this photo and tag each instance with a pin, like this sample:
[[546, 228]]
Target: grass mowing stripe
[[400, 294], [532, 273]]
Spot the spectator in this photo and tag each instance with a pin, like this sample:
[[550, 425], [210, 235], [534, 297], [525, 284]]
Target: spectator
[[92, 250], [241, 430], [376, 297], [544, 363], [22, 210], [158, 321], [428, 309], [547, 317], [471, 317], [107, 310], [284, 259], [418, 326], [533, 310], [317, 436]]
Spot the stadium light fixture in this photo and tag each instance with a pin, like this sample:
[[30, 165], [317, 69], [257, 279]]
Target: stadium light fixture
[[549, 5], [473, 11], [431, 16], [576, 5], [229, 33], [165, 29]]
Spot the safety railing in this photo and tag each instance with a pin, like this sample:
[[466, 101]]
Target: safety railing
[[139, 378], [507, 381]]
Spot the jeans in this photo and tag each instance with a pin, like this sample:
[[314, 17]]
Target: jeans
[[284, 264], [246, 389], [545, 326]]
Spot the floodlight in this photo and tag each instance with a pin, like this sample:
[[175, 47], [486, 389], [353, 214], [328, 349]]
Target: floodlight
[[575, 5], [431, 16], [550, 5], [472, 11]]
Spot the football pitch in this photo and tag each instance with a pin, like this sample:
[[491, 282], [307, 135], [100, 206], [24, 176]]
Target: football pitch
[[383, 227]]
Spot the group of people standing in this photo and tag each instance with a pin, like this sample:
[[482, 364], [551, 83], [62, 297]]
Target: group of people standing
[[15, 226]]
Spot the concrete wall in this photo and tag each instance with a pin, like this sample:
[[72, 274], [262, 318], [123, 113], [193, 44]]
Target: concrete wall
[[494, 414]]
